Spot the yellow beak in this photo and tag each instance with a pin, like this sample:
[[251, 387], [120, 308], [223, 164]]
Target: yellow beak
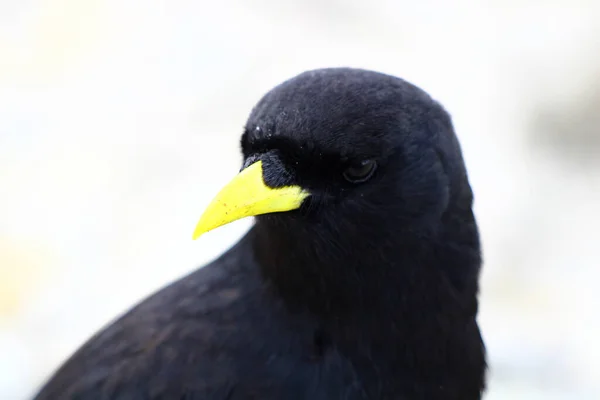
[[247, 195]]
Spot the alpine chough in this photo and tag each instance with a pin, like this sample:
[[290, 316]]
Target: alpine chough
[[358, 280]]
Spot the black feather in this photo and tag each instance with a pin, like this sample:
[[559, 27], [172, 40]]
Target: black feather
[[368, 291]]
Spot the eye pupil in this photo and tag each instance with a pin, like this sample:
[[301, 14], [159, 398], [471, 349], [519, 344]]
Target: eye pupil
[[361, 172]]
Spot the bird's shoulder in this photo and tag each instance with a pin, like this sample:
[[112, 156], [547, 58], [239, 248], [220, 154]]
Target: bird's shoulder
[[217, 333], [179, 329]]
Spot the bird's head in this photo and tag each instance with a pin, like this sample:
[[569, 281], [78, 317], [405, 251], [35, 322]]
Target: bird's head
[[346, 150]]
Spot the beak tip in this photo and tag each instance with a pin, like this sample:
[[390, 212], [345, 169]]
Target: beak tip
[[197, 233]]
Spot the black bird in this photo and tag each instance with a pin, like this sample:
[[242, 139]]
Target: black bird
[[359, 279]]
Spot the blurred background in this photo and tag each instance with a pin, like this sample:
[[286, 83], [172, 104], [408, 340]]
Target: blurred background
[[120, 119]]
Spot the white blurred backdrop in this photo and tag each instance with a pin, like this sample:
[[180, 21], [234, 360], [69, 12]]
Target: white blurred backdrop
[[120, 119]]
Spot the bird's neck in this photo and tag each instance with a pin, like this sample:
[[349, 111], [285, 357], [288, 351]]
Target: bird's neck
[[384, 274], [410, 302]]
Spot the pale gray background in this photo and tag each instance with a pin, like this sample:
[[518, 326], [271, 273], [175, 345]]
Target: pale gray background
[[119, 120]]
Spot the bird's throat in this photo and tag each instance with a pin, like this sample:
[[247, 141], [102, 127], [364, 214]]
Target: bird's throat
[[388, 279], [383, 305]]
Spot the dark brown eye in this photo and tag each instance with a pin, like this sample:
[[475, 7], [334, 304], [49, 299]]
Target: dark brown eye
[[361, 172]]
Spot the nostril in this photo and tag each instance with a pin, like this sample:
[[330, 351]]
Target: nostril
[[275, 173]]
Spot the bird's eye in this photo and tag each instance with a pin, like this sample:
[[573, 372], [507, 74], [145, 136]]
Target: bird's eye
[[361, 172]]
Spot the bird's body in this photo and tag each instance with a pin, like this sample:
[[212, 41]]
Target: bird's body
[[367, 290]]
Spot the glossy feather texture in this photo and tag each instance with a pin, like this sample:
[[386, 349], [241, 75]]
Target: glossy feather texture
[[367, 291]]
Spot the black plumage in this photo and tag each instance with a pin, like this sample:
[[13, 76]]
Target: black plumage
[[367, 291]]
